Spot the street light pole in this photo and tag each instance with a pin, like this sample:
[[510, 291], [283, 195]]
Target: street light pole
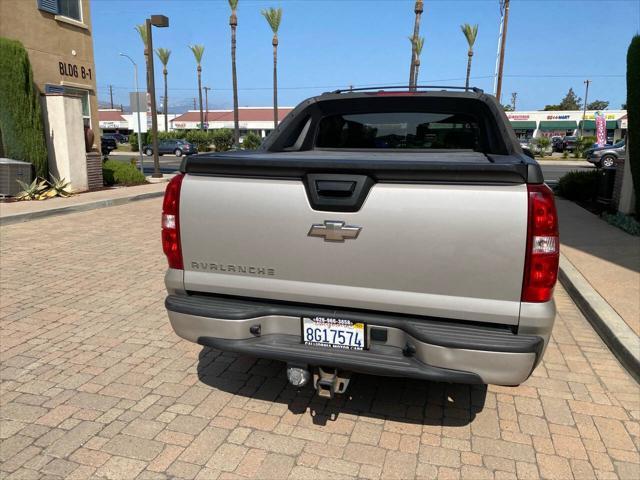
[[504, 4], [135, 82], [157, 21], [206, 101]]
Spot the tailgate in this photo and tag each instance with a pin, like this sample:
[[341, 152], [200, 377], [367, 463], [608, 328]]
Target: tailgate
[[442, 250]]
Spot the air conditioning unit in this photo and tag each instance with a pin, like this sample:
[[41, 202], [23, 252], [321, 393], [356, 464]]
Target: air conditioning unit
[[10, 171]]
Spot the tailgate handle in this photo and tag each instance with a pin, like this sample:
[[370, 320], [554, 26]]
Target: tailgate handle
[[335, 188]]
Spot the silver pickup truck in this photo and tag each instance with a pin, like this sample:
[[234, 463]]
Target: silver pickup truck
[[397, 233]]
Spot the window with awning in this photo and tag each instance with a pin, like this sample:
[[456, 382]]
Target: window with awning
[[591, 124], [558, 125], [522, 125]]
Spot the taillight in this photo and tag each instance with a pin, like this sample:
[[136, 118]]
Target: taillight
[[171, 223], [543, 246]]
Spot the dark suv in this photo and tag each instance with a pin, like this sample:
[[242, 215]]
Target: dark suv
[[175, 147], [107, 144]]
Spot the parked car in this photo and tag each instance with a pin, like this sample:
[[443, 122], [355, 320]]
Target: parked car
[[118, 137], [373, 232], [607, 155], [108, 144], [175, 147], [557, 144], [569, 143]]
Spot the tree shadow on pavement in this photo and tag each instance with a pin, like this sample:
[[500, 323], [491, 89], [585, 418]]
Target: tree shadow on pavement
[[403, 400]]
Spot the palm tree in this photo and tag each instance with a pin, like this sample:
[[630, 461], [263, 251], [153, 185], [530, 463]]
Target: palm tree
[[418, 9], [198, 51], [142, 31], [417, 47], [233, 22], [164, 54], [274, 16], [470, 32]]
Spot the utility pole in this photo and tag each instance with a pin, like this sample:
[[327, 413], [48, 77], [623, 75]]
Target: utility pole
[[206, 101], [584, 107], [504, 8], [514, 95], [111, 95], [194, 103]]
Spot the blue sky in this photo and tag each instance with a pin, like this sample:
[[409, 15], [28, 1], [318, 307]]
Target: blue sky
[[325, 44]]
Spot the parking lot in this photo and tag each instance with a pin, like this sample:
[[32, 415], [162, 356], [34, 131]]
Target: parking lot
[[94, 383]]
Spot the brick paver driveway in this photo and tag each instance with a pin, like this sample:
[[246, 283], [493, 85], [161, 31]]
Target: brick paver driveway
[[95, 384]]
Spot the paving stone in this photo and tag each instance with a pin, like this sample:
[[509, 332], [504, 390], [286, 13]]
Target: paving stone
[[613, 434], [119, 468], [399, 465], [275, 443], [554, 467], [504, 449], [134, 447]]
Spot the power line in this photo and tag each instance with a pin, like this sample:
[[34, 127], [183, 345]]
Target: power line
[[398, 83]]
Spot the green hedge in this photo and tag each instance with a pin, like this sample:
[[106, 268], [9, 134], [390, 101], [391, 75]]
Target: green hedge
[[21, 126], [633, 112], [121, 173], [578, 185], [221, 139], [251, 141]]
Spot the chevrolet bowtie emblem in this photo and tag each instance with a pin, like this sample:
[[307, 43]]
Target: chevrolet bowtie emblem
[[334, 231]]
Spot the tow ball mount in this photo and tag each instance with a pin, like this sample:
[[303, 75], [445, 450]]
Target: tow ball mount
[[328, 382]]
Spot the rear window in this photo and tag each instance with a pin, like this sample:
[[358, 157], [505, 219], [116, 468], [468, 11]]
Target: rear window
[[399, 130]]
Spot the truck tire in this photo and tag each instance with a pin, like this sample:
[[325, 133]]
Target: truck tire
[[148, 152], [178, 152]]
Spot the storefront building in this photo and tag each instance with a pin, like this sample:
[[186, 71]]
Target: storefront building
[[258, 120], [534, 124], [114, 120]]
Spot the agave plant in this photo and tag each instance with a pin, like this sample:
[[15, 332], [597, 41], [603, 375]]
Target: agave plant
[[32, 191], [60, 187]]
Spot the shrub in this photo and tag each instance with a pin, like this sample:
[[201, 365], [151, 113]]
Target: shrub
[[633, 106], [251, 141], [121, 173], [623, 222], [21, 126], [200, 138], [584, 144], [222, 139], [578, 185], [541, 144], [133, 141]]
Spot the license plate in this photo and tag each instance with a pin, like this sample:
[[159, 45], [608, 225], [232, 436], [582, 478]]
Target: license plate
[[333, 333]]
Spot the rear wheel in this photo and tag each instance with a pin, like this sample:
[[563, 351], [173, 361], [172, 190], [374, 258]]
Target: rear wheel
[[607, 161], [178, 152], [148, 152]]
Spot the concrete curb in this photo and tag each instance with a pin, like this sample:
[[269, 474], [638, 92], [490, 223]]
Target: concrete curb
[[82, 207], [621, 340]]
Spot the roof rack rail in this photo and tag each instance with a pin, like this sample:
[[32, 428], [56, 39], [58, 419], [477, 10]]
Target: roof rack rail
[[418, 87]]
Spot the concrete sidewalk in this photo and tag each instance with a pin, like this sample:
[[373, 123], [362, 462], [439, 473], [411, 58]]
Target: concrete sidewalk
[[15, 212], [601, 263]]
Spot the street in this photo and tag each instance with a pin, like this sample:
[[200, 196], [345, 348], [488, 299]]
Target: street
[[96, 384], [552, 170]]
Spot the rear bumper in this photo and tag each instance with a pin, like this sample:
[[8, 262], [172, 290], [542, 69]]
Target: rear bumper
[[439, 350]]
